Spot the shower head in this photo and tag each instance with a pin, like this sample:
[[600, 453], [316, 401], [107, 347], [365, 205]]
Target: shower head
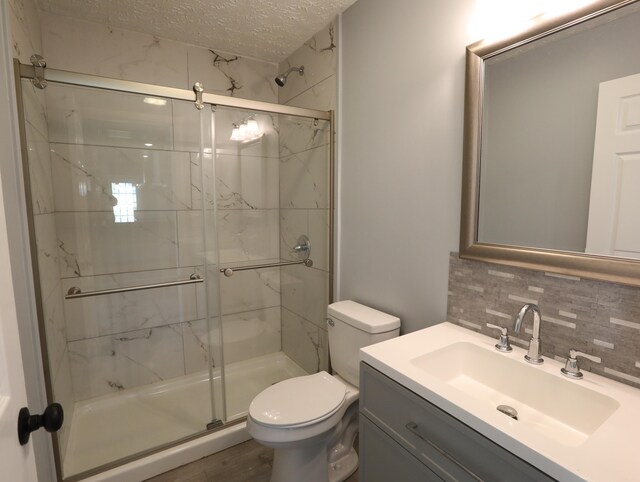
[[281, 79]]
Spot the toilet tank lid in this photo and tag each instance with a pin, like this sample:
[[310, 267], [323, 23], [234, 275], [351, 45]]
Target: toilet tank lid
[[362, 317]]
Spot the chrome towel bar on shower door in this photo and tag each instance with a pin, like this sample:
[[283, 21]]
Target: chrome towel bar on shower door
[[228, 272], [75, 292]]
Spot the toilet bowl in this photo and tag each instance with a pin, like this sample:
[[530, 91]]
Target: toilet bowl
[[303, 418], [311, 421]]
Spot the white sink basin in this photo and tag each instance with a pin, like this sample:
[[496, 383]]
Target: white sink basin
[[566, 412], [574, 430]]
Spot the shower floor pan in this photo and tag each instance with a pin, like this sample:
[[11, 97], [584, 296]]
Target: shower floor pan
[[118, 425]]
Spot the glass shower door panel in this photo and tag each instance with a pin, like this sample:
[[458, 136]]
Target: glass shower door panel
[[120, 210], [304, 210], [252, 152]]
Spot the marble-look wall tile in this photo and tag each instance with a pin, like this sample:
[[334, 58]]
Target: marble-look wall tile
[[92, 48], [35, 108], [92, 243], [248, 235], [242, 182], [319, 236], [304, 342], [84, 177], [39, 160], [297, 134], [123, 312], [251, 334], [48, 258], [63, 394], [247, 182], [321, 96], [228, 74], [55, 328], [191, 127], [24, 20], [246, 335], [304, 292], [82, 115], [293, 223], [591, 316], [113, 363], [201, 343], [191, 250], [250, 290], [304, 179], [318, 55]]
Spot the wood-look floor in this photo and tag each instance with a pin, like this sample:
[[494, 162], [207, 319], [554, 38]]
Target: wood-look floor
[[245, 462]]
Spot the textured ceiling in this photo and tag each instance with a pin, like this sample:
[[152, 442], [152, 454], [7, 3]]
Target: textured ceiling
[[264, 29]]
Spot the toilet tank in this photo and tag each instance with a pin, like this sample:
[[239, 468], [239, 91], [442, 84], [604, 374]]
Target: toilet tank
[[352, 326]]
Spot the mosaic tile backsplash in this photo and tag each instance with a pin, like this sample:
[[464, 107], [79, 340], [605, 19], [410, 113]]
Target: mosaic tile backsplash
[[598, 318]]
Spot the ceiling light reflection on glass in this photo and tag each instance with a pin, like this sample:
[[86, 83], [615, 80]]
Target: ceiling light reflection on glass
[[155, 101], [247, 131]]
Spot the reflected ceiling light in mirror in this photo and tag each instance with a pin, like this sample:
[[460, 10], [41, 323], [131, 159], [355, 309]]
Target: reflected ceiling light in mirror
[[497, 19], [148, 144], [155, 101]]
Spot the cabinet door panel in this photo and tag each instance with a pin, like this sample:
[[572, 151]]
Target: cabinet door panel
[[386, 460]]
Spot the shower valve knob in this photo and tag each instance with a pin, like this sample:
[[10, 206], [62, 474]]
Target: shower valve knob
[[51, 419]]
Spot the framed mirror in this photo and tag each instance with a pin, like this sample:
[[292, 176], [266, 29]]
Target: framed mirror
[[551, 174]]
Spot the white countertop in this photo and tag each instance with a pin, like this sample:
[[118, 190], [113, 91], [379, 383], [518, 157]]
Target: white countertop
[[610, 454]]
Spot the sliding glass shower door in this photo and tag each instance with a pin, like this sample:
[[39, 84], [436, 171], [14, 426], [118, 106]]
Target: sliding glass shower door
[[182, 258], [124, 223]]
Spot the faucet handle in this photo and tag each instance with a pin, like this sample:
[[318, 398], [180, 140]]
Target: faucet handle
[[502, 345], [571, 369]]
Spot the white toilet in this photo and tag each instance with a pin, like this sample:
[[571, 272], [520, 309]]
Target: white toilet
[[312, 421]]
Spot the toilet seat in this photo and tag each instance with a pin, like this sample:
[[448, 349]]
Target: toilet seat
[[299, 401]]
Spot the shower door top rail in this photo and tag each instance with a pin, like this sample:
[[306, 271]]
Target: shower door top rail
[[107, 83], [75, 292]]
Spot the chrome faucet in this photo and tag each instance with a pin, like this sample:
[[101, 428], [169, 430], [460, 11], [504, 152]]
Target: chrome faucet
[[533, 356]]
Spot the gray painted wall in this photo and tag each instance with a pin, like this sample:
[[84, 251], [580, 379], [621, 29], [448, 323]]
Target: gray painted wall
[[402, 79], [540, 167]]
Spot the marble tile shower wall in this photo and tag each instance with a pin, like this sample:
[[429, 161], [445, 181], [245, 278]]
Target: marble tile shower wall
[[595, 317], [125, 340], [26, 40], [304, 200]]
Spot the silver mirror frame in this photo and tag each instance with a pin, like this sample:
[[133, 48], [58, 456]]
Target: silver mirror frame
[[607, 268]]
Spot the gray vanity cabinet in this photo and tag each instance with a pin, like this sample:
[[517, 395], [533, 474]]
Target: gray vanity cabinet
[[404, 438]]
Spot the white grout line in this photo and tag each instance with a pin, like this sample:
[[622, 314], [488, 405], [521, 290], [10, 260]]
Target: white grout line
[[556, 321], [567, 314], [498, 314], [604, 344], [625, 376], [522, 299], [628, 324], [469, 324], [562, 276], [501, 274], [479, 289]]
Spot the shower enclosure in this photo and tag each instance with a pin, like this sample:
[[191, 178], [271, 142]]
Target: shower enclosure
[[181, 244]]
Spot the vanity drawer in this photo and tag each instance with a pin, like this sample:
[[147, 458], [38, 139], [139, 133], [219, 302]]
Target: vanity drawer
[[387, 460], [450, 448]]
